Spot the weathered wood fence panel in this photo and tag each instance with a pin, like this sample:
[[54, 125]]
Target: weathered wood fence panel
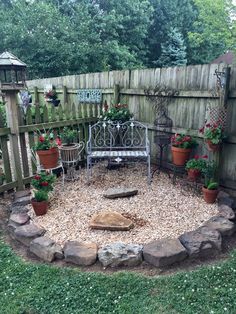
[[188, 110]]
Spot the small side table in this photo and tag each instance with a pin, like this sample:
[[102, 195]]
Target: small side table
[[161, 142]]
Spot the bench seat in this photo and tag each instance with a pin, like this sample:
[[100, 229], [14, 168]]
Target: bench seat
[[118, 153]]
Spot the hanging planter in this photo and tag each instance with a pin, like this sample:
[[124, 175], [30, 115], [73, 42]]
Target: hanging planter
[[212, 147], [180, 155], [48, 158]]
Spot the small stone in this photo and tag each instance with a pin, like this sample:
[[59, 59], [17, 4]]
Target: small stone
[[120, 192], [19, 219], [26, 233], [120, 254], [22, 201], [58, 252], [226, 212], [226, 201], [164, 252], [16, 209], [222, 194], [221, 224], [80, 253], [111, 221], [44, 248], [20, 194], [201, 242]]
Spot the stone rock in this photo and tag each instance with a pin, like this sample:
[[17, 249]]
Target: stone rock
[[221, 224], [80, 253], [201, 242], [226, 212], [20, 194], [120, 192], [26, 233], [120, 254], [58, 252], [111, 221], [16, 209], [226, 201], [164, 252], [19, 219], [22, 201], [44, 248], [222, 194]]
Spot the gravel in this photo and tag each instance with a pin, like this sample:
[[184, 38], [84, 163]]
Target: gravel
[[166, 211]]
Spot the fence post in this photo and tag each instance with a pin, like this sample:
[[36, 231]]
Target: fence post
[[64, 96], [116, 94], [13, 123], [36, 95]]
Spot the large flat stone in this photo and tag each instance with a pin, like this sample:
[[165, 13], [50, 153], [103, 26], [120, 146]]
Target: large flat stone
[[222, 194], [80, 253], [120, 192], [44, 248], [164, 252], [201, 242], [111, 221], [221, 224], [22, 201], [26, 233], [226, 212], [226, 201], [20, 194], [120, 254], [16, 209], [19, 219]]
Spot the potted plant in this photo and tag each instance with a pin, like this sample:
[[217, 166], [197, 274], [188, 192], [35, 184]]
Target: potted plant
[[47, 150], [181, 148], [43, 184], [51, 96], [213, 135], [196, 166], [118, 112], [210, 188]]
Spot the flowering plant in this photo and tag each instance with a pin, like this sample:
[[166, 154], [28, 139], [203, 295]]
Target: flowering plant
[[118, 112], [183, 141], [69, 135], [43, 181], [213, 132], [45, 141], [50, 94], [197, 163]]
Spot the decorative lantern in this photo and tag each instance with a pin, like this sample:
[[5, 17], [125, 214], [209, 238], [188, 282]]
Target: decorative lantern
[[12, 72]]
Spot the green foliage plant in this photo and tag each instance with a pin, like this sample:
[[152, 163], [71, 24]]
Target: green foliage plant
[[210, 175], [41, 196], [43, 181], [45, 141], [69, 136], [197, 163], [118, 112], [183, 141], [213, 132]]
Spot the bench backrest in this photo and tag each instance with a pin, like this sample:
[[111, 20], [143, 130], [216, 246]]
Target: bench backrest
[[108, 135]]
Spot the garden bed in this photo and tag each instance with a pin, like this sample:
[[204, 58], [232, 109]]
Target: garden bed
[[162, 210]]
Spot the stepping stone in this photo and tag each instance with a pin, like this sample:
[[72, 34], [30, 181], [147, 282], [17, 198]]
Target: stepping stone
[[19, 219], [45, 248], [22, 201], [120, 192], [120, 254], [20, 194], [226, 201], [25, 234], [226, 212], [164, 252], [80, 253], [111, 221], [201, 242], [221, 224], [222, 194], [16, 209]]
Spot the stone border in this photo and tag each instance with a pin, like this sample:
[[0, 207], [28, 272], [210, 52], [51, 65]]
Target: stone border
[[202, 242]]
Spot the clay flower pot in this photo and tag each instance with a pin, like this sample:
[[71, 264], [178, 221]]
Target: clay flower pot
[[40, 208], [180, 155], [212, 147], [193, 174], [209, 195], [48, 158]]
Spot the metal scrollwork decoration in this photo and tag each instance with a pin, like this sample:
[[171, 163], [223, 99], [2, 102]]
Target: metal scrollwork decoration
[[90, 95]]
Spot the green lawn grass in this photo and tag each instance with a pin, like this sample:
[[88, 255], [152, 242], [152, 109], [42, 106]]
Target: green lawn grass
[[36, 288]]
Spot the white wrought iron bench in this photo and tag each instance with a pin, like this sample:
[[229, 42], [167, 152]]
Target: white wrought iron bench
[[117, 141]]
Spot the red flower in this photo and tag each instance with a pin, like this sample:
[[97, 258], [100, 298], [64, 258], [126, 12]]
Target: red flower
[[41, 139], [201, 130], [196, 157], [37, 177], [58, 141], [208, 125], [44, 183], [205, 156]]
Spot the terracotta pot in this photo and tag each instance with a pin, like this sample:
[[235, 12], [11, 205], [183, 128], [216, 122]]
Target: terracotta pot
[[40, 208], [193, 174], [209, 195], [48, 158], [180, 155], [212, 147]]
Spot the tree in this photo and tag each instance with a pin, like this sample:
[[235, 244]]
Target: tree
[[214, 30], [173, 50]]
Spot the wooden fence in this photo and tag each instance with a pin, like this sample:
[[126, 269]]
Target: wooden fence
[[196, 87], [17, 162]]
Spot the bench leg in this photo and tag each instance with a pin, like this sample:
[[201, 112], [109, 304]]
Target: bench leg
[[88, 169], [149, 169]]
